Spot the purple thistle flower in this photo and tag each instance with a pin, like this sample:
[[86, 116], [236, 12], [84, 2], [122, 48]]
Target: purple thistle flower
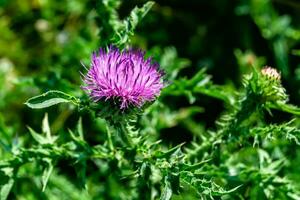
[[123, 75]]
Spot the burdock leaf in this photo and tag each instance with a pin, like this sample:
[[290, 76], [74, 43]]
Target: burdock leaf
[[51, 98]]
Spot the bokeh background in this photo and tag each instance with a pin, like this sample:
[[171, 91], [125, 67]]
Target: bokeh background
[[43, 45]]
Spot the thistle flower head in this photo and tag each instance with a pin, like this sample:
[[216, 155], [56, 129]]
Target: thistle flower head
[[125, 76]]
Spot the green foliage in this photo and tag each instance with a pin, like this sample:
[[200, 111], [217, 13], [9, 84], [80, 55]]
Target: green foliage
[[168, 149], [115, 31], [49, 99]]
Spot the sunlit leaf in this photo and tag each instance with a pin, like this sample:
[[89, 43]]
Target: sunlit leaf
[[51, 98]]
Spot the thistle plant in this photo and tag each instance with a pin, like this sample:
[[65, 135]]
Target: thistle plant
[[121, 108]]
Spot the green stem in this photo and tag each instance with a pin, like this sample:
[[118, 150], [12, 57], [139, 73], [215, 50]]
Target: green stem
[[119, 129], [125, 135], [109, 140]]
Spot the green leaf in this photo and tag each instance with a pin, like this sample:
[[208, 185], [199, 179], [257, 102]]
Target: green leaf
[[46, 174], [51, 98], [46, 127], [200, 83], [79, 128], [47, 139], [137, 14], [171, 63], [38, 137], [130, 23], [167, 191], [6, 174], [5, 189], [199, 79], [285, 108], [77, 138], [169, 152], [174, 179], [81, 168], [187, 167]]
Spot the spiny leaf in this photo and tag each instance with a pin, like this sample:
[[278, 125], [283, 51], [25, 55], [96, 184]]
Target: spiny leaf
[[128, 25], [195, 166], [48, 139], [171, 64], [282, 131], [38, 137], [169, 152], [200, 83], [77, 138]]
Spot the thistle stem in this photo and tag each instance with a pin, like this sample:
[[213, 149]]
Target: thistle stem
[[119, 130], [125, 136], [109, 140]]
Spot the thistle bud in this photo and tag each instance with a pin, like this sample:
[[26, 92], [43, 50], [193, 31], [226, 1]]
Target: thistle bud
[[271, 85], [271, 73]]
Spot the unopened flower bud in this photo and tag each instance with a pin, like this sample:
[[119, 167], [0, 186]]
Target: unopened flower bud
[[271, 73]]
